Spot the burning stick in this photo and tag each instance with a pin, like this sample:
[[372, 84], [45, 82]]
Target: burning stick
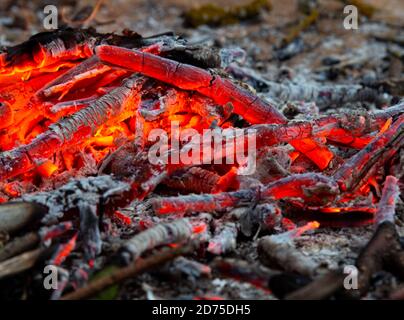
[[63, 251], [132, 165], [173, 101], [88, 69], [119, 103], [86, 197], [188, 77], [362, 165], [93, 191], [194, 179], [177, 231], [220, 90], [315, 151], [46, 49], [387, 205], [49, 233], [279, 251], [310, 188]]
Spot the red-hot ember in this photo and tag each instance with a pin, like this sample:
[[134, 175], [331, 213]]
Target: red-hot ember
[[66, 106], [76, 104]]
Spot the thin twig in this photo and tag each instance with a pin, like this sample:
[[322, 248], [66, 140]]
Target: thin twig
[[121, 274]]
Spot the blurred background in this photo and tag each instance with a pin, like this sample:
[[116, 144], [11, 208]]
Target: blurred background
[[269, 30]]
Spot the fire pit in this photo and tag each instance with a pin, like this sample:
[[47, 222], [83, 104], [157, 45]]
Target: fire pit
[[135, 160]]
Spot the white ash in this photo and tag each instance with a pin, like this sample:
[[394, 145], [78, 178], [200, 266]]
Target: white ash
[[85, 191]]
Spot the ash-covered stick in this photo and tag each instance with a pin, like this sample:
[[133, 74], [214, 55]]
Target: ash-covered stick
[[95, 191], [397, 294], [242, 270], [117, 104], [362, 165], [131, 163], [173, 101], [177, 231], [46, 49], [279, 251], [266, 216], [224, 239], [187, 77], [190, 268], [65, 107], [63, 279], [199, 180], [386, 208], [311, 188], [52, 232], [384, 251], [390, 112], [89, 68]]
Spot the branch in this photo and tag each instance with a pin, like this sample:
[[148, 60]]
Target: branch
[[130, 271]]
